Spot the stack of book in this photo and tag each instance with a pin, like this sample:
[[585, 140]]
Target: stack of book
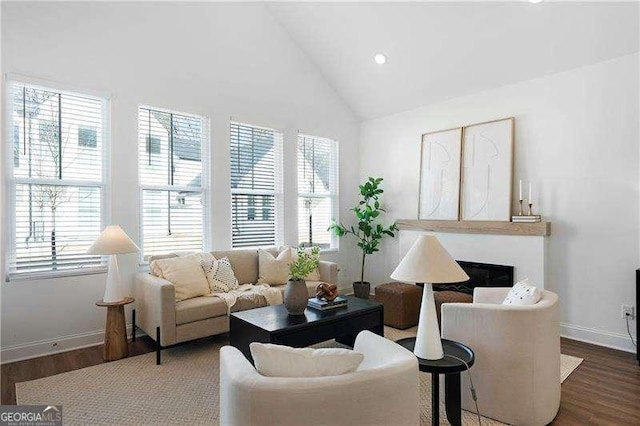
[[526, 218], [322, 305]]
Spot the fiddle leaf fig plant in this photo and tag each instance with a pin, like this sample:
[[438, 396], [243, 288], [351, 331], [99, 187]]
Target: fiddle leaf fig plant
[[306, 262], [370, 230]]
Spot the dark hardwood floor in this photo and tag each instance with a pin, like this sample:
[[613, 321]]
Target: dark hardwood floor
[[604, 390]]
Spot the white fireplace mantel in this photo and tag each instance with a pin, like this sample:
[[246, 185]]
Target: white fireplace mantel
[[526, 253]]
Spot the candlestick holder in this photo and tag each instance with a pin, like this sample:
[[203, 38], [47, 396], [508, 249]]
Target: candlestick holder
[[530, 209], [521, 212]]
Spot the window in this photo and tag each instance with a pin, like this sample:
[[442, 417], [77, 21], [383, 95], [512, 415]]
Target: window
[[256, 188], [87, 137], [51, 177], [317, 191], [173, 193], [153, 145], [16, 145]]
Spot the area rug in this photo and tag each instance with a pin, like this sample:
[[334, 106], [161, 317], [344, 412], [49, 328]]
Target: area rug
[[184, 389]]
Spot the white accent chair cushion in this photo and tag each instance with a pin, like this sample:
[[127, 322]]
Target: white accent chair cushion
[[523, 294], [382, 391], [284, 361]]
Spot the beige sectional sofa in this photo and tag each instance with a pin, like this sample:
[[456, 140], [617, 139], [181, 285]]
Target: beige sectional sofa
[[169, 322]]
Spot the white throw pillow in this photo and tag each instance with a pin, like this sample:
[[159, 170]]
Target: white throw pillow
[[283, 361], [313, 275], [219, 274], [185, 273], [274, 270], [523, 294]]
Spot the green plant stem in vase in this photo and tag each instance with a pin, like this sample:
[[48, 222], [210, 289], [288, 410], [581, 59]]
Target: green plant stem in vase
[[306, 262], [369, 231], [295, 293]]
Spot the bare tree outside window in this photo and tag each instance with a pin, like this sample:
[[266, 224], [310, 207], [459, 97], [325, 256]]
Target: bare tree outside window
[[49, 127]]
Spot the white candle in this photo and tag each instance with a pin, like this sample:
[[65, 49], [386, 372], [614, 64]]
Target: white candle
[[520, 190], [529, 192]]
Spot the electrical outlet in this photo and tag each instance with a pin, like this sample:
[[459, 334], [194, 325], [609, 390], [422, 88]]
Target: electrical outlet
[[628, 311]]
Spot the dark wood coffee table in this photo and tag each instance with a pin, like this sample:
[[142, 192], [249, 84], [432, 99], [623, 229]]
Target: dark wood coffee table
[[273, 324]]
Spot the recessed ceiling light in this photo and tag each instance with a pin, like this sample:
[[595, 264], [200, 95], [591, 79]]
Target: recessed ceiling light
[[535, 1], [380, 58]]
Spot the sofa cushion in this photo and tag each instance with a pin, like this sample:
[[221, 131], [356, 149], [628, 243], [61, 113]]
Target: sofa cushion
[[219, 274], [283, 361], [199, 308], [248, 301], [274, 270], [185, 273], [244, 263]]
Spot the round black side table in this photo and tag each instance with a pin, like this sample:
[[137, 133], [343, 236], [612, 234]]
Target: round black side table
[[451, 367]]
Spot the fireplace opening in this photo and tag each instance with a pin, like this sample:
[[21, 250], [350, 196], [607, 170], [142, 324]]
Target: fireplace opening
[[480, 275]]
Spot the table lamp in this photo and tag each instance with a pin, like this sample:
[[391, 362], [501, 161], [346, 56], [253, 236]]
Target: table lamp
[[112, 241], [427, 262]]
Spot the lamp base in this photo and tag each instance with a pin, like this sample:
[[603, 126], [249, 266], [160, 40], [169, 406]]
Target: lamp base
[[112, 290], [428, 344]]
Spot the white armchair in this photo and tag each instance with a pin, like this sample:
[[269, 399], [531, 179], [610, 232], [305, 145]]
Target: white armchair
[[517, 355], [383, 391]]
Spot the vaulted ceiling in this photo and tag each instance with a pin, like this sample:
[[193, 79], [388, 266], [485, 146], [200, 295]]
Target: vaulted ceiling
[[438, 51]]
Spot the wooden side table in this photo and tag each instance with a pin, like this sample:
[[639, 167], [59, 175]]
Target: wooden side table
[[115, 333]]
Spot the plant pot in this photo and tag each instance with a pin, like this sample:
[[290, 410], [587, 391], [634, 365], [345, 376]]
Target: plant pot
[[296, 297], [361, 289]]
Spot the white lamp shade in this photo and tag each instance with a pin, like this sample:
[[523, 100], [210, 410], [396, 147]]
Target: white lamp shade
[[428, 262], [113, 240]]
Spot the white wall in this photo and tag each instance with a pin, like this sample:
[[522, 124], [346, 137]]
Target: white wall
[[217, 60], [577, 140]]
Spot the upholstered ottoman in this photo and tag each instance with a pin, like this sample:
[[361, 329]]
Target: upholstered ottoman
[[400, 302]]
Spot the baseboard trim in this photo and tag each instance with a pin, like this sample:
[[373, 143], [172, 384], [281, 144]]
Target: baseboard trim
[[40, 348], [597, 337]]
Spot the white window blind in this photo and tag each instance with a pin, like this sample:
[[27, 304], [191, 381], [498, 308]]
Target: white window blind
[[58, 179], [317, 191], [173, 160], [256, 186]]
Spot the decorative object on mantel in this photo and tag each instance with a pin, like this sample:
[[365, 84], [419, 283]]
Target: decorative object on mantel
[[529, 217], [440, 175], [541, 229], [369, 233], [296, 293], [487, 170], [429, 263]]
